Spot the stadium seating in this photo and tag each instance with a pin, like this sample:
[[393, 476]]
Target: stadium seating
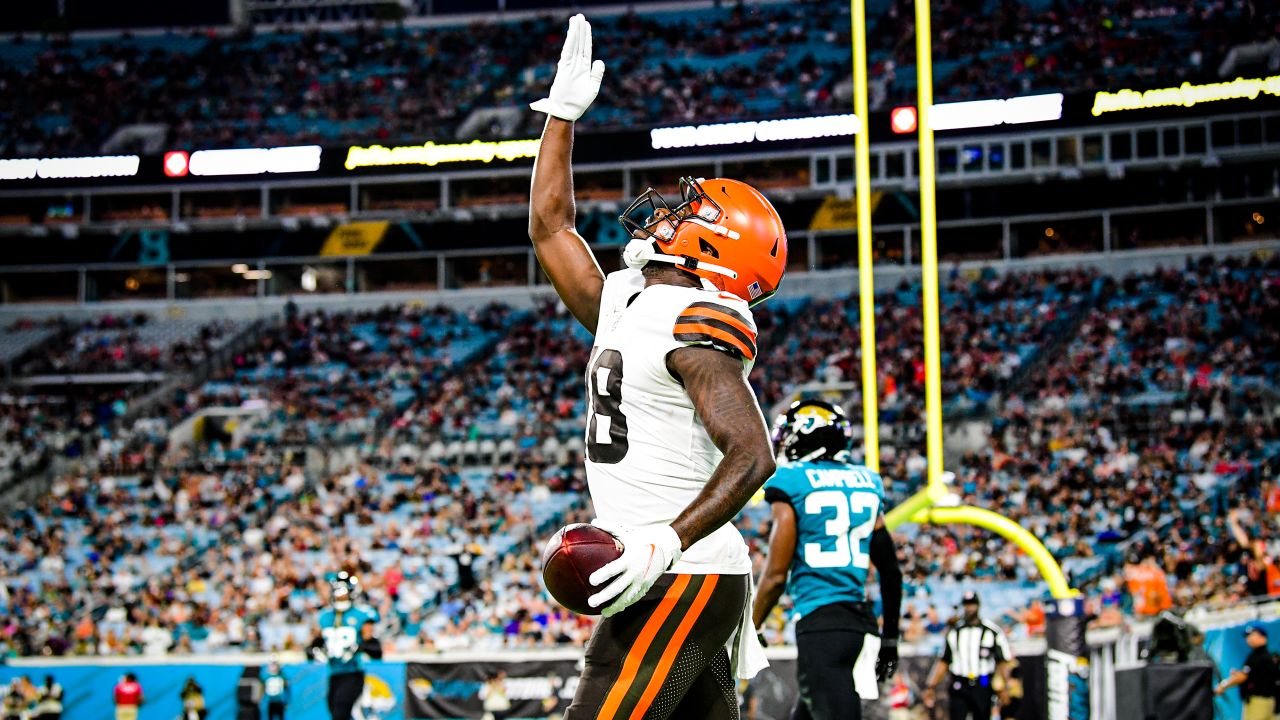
[[412, 82], [131, 344], [431, 451]]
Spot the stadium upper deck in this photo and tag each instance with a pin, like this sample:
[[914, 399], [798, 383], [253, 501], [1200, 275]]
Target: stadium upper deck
[[284, 86]]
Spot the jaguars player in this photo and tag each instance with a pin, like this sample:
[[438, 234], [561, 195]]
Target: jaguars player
[[345, 640], [828, 528], [676, 443]]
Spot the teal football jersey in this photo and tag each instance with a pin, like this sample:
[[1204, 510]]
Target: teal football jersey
[[342, 637], [836, 507]]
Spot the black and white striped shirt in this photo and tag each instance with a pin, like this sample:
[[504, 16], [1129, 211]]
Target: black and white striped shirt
[[973, 649]]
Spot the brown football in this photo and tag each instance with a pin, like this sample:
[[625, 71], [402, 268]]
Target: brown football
[[570, 557]]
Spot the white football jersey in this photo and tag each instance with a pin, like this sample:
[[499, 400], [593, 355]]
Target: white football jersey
[[648, 453]]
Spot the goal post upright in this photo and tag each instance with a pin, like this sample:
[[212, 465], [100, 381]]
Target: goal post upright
[[866, 266]]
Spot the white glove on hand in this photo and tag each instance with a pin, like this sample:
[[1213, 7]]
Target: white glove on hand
[[647, 553], [577, 78]]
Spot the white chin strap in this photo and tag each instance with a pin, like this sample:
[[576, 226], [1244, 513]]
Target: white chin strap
[[640, 252]]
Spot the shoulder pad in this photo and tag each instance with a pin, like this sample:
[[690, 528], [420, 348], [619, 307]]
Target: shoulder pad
[[716, 323]]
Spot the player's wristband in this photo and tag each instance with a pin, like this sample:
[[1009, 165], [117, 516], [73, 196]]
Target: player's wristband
[[889, 642]]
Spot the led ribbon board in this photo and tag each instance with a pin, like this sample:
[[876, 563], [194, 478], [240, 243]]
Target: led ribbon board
[[67, 168], [247, 161], [981, 113], [431, 154], [1185, 95], [990, 113], [745, 132]]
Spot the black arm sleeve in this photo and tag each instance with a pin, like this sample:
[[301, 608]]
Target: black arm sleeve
[[773, 495], [885, 558]]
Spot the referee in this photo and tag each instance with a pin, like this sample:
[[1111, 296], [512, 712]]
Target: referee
[[975, 651], [1258, 678]]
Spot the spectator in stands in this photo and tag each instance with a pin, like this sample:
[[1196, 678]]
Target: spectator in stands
[[407, 84], [1262, 575], [1148, 585], [392, 418]]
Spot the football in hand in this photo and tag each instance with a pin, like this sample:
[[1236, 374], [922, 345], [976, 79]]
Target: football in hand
[[570, 557]]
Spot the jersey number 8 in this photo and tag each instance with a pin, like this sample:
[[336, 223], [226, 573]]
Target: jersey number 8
[[605, 387], [852, 545]]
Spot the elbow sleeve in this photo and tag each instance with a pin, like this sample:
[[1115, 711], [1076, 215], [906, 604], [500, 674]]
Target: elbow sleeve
[[885, 558]]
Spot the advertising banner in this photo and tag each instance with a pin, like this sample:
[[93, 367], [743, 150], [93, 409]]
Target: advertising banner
[[532, 689], [355, 238]]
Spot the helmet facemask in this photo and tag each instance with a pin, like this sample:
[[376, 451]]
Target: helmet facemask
[[653, 223]]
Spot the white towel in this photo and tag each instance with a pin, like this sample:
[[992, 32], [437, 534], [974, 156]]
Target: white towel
[[746, 654], [864, 668]]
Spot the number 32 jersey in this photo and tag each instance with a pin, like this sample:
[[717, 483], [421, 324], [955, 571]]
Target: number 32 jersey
[[648, 453], [836, 506]]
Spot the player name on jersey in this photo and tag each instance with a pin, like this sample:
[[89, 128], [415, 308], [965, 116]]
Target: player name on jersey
[[852, 478]]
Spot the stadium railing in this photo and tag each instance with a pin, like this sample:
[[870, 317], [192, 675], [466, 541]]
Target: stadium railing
[[516, 271]]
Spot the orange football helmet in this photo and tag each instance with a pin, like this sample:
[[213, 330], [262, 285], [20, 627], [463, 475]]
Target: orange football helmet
[[724, 232]]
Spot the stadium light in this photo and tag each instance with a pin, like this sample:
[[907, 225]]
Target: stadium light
[[177, 163], [903, 120]]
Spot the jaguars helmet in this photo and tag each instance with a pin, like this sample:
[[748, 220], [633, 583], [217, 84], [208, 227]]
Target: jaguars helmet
[[343, 589], [812, 430]]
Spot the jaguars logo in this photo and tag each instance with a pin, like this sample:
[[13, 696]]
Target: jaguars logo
[[809, 417], [377, 701], [421, 688]]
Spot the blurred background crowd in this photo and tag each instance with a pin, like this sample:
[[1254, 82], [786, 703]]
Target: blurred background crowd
[[431, 451]]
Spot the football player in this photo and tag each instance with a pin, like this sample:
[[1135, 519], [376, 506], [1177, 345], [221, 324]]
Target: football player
[[676, 443], [345, 640], [828, 528]]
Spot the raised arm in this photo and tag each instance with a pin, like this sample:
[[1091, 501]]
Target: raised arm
[[563, 253]]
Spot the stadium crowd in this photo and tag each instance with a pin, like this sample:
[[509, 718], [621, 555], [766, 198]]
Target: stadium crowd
[[136, 343], [411, 82], [431, 451]]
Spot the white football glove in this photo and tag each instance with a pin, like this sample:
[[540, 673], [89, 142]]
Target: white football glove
[[647, 553], [577, 77]]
